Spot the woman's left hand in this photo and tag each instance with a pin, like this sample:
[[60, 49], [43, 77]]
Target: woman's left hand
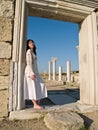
[[33, 77]]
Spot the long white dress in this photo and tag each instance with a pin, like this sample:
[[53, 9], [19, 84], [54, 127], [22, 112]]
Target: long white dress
[[33, 89]]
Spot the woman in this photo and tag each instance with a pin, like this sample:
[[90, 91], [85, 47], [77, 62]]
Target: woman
[[34, 87]]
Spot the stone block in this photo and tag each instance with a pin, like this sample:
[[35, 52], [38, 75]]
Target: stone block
[[3, 103], [5, 50], [25, 115], [6, 29], [6, 8], [4, 67], [64, 121], [4, 82]]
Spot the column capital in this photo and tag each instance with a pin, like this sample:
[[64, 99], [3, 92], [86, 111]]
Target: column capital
[[77, 47], [53, 59], [49, 61]]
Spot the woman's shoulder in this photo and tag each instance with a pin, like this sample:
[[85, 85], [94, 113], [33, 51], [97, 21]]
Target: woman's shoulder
[[28, 51]]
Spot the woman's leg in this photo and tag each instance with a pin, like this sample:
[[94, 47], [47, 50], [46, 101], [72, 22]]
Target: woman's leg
[[36, 105]]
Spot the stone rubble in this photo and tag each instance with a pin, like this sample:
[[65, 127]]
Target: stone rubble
[[63, 121]]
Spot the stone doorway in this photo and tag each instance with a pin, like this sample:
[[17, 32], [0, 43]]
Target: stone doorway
[[78, 12]]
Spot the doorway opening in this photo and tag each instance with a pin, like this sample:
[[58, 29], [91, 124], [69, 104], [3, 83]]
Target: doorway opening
[[85, 17], [58, 39]]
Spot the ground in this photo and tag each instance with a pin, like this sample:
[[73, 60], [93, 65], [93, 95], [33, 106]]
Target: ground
[[90, 119], [22, 125], [91, 122]]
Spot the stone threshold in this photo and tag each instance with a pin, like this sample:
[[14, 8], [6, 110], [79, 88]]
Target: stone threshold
[[31, 113]]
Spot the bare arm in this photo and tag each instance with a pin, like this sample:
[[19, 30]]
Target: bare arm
[[29, 65]]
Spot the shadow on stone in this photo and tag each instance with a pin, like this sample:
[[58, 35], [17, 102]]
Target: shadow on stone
[[61, 97], [45, 101], [87, 121], [58, 97]]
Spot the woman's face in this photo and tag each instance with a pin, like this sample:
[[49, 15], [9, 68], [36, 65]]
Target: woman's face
[[31, 45]]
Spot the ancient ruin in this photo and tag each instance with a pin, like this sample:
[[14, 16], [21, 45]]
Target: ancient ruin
[[13, 29]]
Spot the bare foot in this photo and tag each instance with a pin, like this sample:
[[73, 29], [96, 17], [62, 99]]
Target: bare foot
[[38, 107]]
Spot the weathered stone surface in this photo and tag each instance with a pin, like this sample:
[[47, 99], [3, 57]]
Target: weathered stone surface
[[4, 82], [5, 29], [4, 67], [5, 50], [28, 115], [3, 103], [6, 8], [63, 121]]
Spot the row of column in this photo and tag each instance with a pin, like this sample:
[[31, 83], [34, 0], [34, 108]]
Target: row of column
[[53, 61]]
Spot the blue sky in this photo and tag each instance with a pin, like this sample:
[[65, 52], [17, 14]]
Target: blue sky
[[54, 38]]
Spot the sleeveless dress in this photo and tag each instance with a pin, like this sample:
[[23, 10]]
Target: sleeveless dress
[[33, 89]]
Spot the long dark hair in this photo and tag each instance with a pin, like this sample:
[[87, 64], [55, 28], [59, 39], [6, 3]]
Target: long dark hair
[[34, 50]]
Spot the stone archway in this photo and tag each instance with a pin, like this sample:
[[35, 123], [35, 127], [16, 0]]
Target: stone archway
[[79, 12]]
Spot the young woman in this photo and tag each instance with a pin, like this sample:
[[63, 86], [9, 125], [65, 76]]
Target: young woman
[[34, 87]]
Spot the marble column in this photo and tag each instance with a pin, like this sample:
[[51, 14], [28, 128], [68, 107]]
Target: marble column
[[60, 73], [68, 71], [49, 63], [54, 67], [72, 78]]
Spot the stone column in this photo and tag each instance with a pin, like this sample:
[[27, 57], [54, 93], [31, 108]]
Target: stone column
[[49, 63], [88, 60], [60, 73], [72, 78], [54, 67], [68, 71]]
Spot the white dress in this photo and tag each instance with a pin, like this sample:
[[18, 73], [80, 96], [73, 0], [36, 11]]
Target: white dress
[[33, 89]]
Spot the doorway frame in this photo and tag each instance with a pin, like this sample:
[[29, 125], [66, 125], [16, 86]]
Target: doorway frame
[[67, 11]]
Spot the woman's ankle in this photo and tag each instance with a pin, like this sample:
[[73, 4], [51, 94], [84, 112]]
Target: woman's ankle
[[36, 106]]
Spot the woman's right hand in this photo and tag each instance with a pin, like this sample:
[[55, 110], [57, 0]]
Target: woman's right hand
[[33, 77]]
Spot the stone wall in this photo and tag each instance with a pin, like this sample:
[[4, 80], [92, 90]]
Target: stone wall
[[6, 33]]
